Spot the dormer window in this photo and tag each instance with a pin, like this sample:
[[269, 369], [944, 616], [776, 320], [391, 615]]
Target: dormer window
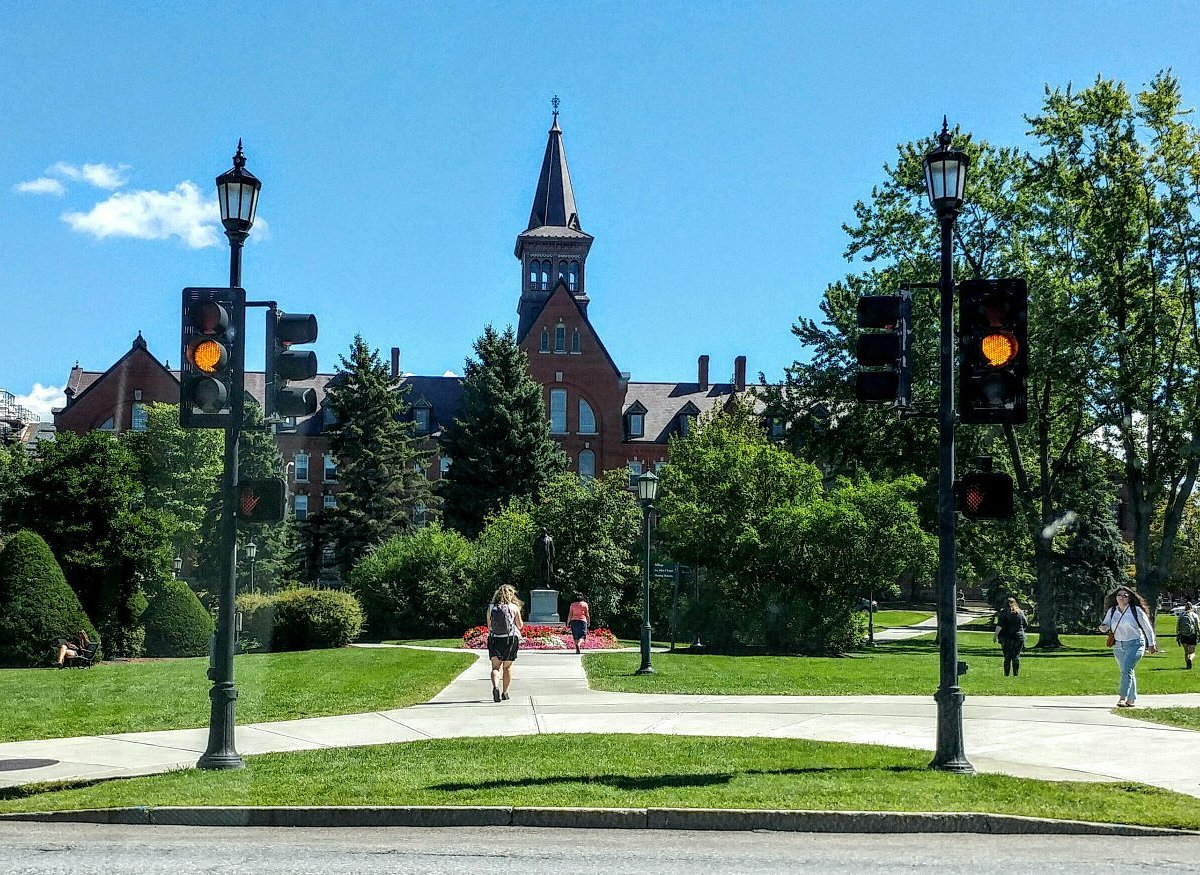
[[421, 419], [775, 426], [685, 424], [545, 345], [575, 341], [636, 425]]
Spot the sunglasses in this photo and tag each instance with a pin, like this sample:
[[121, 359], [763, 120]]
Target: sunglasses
[[1122, 595]]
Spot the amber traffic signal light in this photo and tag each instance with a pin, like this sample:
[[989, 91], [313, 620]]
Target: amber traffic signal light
[[210, 363], [993, 349]]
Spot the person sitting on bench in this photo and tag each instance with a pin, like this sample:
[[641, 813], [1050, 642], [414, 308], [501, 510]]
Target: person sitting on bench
[[69, 648]]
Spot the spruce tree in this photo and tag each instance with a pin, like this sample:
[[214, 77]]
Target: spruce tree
[[499, 444], [379, 461]]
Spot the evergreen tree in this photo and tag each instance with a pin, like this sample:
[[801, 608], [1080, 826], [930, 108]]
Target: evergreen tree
[[499, 443], [380, 464]]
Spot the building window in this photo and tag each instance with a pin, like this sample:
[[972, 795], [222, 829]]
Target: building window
[[420, 515], [560, 338], [545, 346], [301, 467], [108, 425], [685, 424], [444, 465], [301, 507], [573, 276], [545, 274], [575, 341], [562, 271], [635, 471], [637, 425], [587, 465], [329, 501], [330, 469], [533, 274], [659, 466], [587, 419], [558, 411], [141, 418], [775, 426], [421, 418]]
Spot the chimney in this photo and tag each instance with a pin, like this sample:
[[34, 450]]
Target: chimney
[[739, 373], [702, 372], [395, 361]]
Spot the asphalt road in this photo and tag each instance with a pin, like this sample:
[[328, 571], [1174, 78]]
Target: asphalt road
[[49, 849]]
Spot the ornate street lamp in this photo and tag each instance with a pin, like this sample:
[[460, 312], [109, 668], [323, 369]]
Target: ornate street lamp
[[647, 493], [176, 567], [252, 554], [946, 181]]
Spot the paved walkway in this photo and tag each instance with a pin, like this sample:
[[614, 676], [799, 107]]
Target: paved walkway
[[1056, 737]]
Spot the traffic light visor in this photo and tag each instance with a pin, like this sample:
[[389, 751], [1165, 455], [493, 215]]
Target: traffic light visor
[[999, 348], [208, 355]]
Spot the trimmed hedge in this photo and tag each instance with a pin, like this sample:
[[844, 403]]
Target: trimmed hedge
[[300, 619], [258, 622], [37, 605], [176, 623]]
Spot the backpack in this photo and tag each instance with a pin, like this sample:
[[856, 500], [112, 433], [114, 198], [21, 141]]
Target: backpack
[[1186, 624]]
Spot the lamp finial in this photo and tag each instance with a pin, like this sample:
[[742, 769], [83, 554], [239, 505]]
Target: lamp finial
[[239, 160], [944, 137]]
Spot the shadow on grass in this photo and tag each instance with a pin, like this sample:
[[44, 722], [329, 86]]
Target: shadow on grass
[[658, 782]]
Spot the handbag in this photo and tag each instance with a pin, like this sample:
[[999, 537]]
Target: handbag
[[1111, 640]]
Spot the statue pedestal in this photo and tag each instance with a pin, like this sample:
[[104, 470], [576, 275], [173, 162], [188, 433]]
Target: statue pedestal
[[543, 607]]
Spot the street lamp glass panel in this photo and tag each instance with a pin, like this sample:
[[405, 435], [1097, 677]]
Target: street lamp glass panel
[[648, 487], [251, 550], [177, 564], [946, 178]]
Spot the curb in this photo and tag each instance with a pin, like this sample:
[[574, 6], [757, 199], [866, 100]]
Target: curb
[[597, 818]]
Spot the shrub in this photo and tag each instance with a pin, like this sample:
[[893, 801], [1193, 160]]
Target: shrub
[[417, 584], [258, 621], [176, 623], [37, 606], [307, 619]]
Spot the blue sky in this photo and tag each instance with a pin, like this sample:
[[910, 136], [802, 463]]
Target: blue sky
[[716, 150]]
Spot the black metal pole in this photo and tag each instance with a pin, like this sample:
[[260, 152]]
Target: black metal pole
[[674, 604], [949, 755], [222, 752], [871, 616], [646, 667]]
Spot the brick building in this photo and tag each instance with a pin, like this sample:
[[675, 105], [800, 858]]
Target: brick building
[[602, 419]]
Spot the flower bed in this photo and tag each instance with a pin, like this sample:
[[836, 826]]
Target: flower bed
[[546, 638]]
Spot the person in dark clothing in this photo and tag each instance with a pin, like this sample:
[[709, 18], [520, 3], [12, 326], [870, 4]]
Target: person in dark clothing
[[1010, 632]]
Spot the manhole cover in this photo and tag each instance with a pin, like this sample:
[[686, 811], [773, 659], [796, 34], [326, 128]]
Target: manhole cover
[[17, 765]]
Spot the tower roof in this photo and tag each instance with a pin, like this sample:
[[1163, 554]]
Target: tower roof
[[554, 202]]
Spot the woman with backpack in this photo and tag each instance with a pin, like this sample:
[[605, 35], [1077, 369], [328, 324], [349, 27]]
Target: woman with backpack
[[1187, 628], [1127, 620], [1010, 633], [504, 638]]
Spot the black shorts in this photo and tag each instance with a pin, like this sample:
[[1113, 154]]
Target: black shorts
[[503, 647], [1189, 640]]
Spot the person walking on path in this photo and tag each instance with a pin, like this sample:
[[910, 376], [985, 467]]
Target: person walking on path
[[1128, 619], [1010, 632], [504, 638], [1187, 629], [579, 617]]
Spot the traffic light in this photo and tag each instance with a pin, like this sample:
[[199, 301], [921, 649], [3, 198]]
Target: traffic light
[[993, 351], [285, 364], [884, 352], [985, 495], [211, 357], [261, 501]]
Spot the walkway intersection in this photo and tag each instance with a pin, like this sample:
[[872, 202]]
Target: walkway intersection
[[1054, 737]]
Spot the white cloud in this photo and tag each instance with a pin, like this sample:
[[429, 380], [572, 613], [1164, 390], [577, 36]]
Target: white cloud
[[100, 175], [41, 185], [42, 399], [153, 215]]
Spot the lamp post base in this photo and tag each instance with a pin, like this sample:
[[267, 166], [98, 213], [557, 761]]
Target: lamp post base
[[949, 755], [646, 667]]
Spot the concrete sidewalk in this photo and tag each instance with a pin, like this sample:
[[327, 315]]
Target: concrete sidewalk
[[1059, 737]]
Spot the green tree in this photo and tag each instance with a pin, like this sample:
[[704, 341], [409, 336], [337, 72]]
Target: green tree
[[380, 464], [500, 440], [14, 464]]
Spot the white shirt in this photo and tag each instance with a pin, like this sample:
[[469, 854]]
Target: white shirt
[[1130, 624]]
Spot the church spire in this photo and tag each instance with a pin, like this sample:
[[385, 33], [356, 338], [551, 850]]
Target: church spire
[[554, 201]]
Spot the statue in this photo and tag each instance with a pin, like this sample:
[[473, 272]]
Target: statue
[[543, 560]]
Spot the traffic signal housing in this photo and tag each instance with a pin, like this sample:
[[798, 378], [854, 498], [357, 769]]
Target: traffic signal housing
[[883, 352], [993, 350], [985, 495], [211, 357], [261, 501], [285, 364]]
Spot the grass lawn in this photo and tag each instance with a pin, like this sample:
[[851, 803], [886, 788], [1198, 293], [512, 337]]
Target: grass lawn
[[1084, 667], [430, 642], [891, 619], [173, 693], [1185, 718], [622, 771]]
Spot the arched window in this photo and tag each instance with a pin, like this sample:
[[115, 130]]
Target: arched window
[[587, 465], [546, 274], [575, 340], [573, 276], [562, 271], [587, 419], [560, 338], [533, 274], [545, 347]]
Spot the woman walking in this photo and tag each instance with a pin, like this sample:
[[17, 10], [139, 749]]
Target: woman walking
[[579, 616], [1010, 632], [1187, 628], [1127, 619], [504, 638]]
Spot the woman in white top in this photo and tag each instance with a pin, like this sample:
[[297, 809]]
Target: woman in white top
[[1128, 618]]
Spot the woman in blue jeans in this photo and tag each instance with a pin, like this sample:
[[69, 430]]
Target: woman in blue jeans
[[1128, 618]]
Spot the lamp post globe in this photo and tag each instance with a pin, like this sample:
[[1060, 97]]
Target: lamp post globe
[[176, 566], [252, 554], [237, 195], [946, 181], [647, 493]]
